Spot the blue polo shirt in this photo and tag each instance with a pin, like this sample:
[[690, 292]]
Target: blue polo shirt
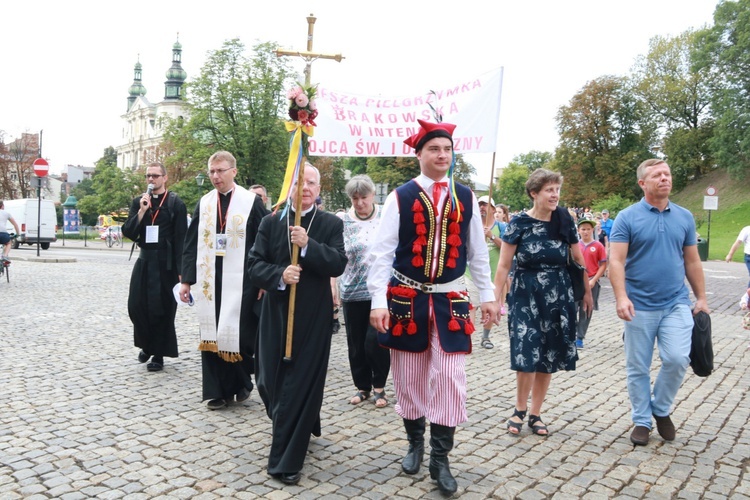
[[607, 226], [655, 264]]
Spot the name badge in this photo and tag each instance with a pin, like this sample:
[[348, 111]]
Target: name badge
[[152, 234], [221, 245]]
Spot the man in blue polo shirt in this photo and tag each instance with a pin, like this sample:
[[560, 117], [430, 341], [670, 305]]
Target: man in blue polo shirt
[[652, 250]]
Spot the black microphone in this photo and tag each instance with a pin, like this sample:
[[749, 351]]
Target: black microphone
[[149, 189]]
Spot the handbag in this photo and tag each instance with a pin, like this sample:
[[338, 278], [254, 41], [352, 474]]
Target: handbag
[[701, 347], [577, 275]]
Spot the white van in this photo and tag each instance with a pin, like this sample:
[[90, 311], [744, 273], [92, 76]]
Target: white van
[[25, 212]]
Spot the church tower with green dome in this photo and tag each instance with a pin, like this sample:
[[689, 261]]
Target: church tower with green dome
[[176, 76], [144, 122], [136, 89]]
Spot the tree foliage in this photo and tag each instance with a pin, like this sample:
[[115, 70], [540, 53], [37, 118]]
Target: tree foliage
[[113, 188], [678, 92], [605, 132], [235, 104], [725, 51], [511, 187]]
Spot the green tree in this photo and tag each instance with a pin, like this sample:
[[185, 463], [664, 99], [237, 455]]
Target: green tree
[[725, 50], [113, 188], [534, 159], [393, 171], [677, 91], [511, 187], [235, 104], [604, 133]]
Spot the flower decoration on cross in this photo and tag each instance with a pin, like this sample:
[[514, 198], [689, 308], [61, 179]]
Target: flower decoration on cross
[[302, 111], [302, 107]]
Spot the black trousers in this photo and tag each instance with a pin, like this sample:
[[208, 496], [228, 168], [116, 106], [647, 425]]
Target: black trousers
[[369, 362]]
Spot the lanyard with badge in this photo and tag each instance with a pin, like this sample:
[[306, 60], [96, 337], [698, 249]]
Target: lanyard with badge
[[152, 231], [221, 237]]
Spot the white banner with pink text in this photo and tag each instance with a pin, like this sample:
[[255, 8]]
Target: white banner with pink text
[[356, 125]]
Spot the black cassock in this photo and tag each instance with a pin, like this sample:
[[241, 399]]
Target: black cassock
[[222, 379], [151, 303], [293, 391]]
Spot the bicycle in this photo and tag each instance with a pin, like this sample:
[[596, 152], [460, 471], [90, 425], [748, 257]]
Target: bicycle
[[5, 268], [113, 238]]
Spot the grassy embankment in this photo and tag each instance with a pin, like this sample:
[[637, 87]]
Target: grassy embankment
[[726, 222]]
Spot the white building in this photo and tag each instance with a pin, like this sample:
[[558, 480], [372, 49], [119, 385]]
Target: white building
[[144, 122]]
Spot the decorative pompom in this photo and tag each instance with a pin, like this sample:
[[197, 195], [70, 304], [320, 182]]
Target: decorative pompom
[[421, 229], [401, 291], [451, 263], [412, 328], [469, 328], [417, 261], [416, 248], [418, 218], [397, 330], [454, 228], [421, 240], [453, 325], [453, 252], [453, 240], [453, 295], [417, 207]]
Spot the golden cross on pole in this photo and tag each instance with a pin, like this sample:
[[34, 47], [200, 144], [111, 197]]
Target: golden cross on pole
[[309, 56]]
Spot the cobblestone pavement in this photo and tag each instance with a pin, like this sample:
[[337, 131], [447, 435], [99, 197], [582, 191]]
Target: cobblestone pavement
[[81, 418]]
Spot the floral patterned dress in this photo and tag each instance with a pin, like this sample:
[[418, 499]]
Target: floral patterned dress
[[542, 315]]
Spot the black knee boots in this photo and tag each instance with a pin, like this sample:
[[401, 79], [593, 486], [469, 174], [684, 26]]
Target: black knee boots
[[441, 441], [415, 434]]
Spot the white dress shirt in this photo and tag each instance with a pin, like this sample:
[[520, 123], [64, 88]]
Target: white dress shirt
[[386, 241]]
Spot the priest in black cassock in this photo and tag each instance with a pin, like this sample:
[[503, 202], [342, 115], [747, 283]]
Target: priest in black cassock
[[157, 221], [292, 391], [218, 240]]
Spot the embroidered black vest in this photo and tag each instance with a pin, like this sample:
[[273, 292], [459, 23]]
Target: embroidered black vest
[[419, 234]]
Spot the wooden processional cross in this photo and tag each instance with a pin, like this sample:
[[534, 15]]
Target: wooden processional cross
[[309, 56]]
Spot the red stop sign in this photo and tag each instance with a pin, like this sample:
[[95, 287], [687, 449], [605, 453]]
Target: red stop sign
[[41, 167]]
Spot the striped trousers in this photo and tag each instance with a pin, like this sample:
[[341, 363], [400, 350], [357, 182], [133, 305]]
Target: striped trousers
[[430, 384]]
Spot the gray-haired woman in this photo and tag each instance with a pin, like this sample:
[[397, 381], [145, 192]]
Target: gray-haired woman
[[369, 362]]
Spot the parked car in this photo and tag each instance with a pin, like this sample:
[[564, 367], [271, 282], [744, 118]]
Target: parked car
[[26, 214]]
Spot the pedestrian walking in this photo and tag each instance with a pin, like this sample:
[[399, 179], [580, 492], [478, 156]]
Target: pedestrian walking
[[655, 233], [157, 222], [430, 231]]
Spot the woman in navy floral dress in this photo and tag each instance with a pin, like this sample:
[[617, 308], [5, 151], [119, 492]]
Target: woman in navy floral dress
[[542, 313]]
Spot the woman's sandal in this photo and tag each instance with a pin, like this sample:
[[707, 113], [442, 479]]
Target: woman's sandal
[[537, 429], [380, 399], [359, 397], [516, 425], [487, 344]]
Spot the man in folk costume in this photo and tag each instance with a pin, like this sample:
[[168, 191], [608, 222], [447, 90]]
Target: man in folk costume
[[292, 389], [218, 240], [158, 226], [431, 230]]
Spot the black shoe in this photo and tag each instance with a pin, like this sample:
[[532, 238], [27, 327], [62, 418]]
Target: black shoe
[[156, 364], [415, 435], [243, 395], [143, 357], [216, 404], [290, 478], [336, 326]]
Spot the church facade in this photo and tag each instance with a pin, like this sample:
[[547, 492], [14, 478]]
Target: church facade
[[144, 122]]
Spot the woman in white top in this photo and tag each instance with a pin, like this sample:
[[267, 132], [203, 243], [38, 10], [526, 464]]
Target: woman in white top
[[369, 362]]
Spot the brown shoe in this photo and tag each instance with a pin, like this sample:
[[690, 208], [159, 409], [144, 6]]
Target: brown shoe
[[665, 427], [640, 435]]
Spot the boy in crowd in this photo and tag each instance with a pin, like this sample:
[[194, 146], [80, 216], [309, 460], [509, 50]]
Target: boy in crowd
[[595, 256]]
